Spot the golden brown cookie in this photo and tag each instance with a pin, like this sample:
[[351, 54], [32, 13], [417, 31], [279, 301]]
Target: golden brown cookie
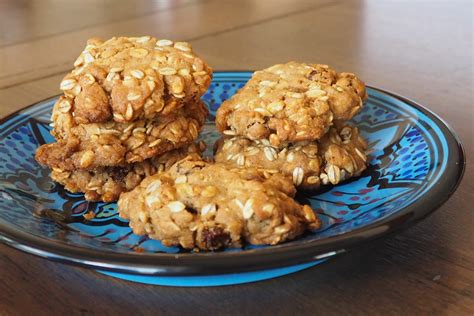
[[129, 78], [291, 102], [202, 205], [88, 146], [338, 156], [107, 183]]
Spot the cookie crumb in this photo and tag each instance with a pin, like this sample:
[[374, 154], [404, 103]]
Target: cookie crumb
[[89, 215], [437, 277]]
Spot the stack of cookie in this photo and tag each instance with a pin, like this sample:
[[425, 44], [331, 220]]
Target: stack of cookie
[[290, 119], [131, 106]]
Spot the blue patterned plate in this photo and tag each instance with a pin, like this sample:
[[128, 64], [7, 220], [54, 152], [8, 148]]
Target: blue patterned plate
[[416, 163]]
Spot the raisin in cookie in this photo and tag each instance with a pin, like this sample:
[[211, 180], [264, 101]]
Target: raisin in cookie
[[129, 78], [107, 183], [111, 144], [196, 204], [291, 102], [339, 155]]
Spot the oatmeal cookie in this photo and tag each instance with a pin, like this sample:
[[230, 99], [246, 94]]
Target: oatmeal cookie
[[107, 183], [196, 204], [339, 155], [291, 102], [129, 78], [88, 146]]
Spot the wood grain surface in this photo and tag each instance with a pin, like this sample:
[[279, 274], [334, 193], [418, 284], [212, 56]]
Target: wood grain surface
[[419, 49]]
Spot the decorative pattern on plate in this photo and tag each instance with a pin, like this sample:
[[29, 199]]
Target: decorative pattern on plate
[[409, 154]]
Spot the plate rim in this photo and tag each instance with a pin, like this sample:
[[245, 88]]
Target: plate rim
[[207, 263]]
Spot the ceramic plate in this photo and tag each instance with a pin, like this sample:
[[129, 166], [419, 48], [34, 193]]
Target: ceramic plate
[[416, 163]]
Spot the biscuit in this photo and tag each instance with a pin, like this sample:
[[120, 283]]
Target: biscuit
[[129, 78], [336, 157], [291, 102], [107, 183], [208, 206], [88, 146]]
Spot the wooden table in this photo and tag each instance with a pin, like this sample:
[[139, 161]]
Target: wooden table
[[419, 49]]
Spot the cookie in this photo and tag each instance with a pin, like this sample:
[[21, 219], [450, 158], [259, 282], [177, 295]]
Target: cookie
[[291, 102], [338, 156], [129, 78], [107, 183], [208, 206], [111, 144]]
